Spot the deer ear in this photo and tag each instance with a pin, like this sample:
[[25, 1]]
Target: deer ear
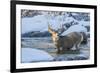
[[50, 29]]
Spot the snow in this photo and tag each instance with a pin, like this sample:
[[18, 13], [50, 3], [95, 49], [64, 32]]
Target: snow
[[32, 54], [84, 23], [33, 23], [75, 28], [40, 23]]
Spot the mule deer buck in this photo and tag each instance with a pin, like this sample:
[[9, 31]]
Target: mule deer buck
[[67, 42]]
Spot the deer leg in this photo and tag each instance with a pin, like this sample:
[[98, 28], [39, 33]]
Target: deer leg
[[78, 46], [79, 42], [74, 47], [58, 51]]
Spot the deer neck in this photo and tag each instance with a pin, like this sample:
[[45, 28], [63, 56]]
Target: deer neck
[[55, 39]]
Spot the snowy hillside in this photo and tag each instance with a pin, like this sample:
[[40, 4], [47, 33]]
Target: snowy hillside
[[40, 22], [75, 28]]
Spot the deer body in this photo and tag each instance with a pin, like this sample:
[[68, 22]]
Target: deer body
[[66, 42]]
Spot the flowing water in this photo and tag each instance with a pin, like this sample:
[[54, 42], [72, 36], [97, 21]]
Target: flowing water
[[46, 44]]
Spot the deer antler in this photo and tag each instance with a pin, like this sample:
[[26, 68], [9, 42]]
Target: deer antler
[[50, 28], [61, 29]]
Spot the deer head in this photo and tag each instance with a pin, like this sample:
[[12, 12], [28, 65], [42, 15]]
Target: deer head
[[54, 33], [59, 31]]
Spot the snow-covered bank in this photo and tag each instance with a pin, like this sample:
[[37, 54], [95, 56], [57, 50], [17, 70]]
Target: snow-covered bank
[[75, 28], [33, 55]]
